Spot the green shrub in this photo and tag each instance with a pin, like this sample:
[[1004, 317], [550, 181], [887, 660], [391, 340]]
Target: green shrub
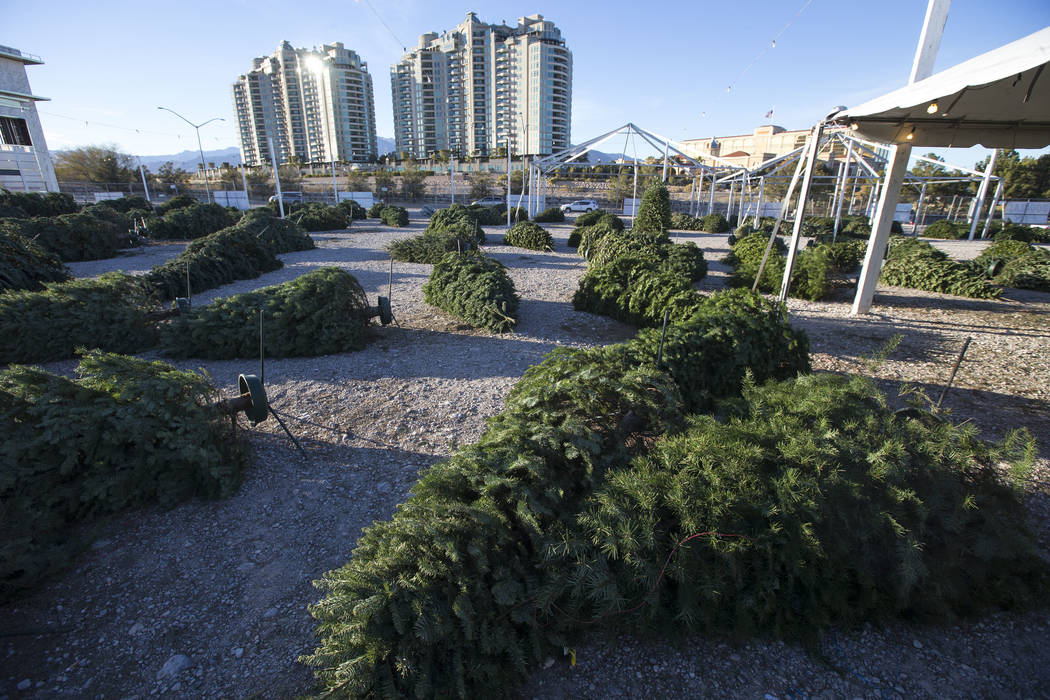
[[654, 212], [353, 210], [685, 259], [234, 253], [724, 336], [635, 288], [25, 265], [526, 234], [589, 218], [817, 225], [946, 230], [30, 204], [856, 226], [179, 201], [108, 313], [488, 216], [432, 245], [278, 235], [458, 215], [809, 504], [1016, 264], [918, 265], [810, 276], [474, 288], [375, 210], [128, 203], [845, 255], [320, 313], [124, 434], [87, 235], [189, 223], [321, 217], [552, 215], [685, 222], [518, 214], [714, 223], [1028, 234], [394, 216]]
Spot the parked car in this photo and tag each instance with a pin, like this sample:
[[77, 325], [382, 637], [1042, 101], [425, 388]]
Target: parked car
[[489, 202], [289, 198], [583, 205]]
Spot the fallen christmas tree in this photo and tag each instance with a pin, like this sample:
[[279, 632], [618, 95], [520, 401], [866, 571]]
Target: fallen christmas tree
[[243, 251], [25, 265], [110, 312], [123, 434], [805, 503], [918, 265], [320, 313], [474, 288]]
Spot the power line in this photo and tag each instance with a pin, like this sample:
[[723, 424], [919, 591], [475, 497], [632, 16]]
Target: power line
[[404, 46], [93, 123]]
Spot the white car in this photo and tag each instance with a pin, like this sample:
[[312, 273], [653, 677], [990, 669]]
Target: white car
[[580, 205], [489, 202]]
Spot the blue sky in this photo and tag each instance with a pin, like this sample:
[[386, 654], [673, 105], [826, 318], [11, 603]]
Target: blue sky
[[665, 66]]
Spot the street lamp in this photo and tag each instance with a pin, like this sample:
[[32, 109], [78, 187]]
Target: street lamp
[[317, 67], [204, 166]]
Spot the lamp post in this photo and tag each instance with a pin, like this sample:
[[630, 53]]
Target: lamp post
[[204, 166], [317, 67]]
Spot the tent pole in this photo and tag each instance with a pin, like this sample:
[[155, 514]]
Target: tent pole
[[991, 209], [666, 146], [896, 169], [842, 191], [918, 210], [711, 196], [803, 195], [761, 192], [634, 203], [982, 192], [784, 208]]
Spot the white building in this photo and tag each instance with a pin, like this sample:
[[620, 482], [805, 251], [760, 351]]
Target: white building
[[25, 164], [471, 89], [313, 103]]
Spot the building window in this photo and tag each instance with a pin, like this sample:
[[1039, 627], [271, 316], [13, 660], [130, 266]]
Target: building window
[[14, 132]]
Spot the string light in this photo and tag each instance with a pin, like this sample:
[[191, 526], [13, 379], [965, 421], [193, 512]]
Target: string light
[[932, 109], [911, 134]]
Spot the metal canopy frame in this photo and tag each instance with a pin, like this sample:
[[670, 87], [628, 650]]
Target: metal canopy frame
[[540, 167]]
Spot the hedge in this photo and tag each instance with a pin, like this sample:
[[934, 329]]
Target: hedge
[[123, 434], [320, 313], [918, 265], [25, 265], [474, 288], [552, 215], [109, 313], [526, 234], [446, 598], [189, 222]]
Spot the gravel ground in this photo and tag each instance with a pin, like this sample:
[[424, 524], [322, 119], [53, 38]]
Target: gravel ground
[[209, 599]]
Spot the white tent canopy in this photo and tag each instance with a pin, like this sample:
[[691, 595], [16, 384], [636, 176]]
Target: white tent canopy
[[1000, 99]]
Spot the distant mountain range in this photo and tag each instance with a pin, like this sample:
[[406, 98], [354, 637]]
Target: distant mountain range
[[187, 160]]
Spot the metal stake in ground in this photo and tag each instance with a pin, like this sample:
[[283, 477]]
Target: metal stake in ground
[[955, 368], [663, 334]]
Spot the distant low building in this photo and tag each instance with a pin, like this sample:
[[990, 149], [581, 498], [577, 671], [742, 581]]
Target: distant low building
[[25, 164], [748, 150]]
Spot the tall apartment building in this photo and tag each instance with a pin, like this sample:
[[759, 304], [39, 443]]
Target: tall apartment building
[[24, 160], [311, 102], [470, 89]]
